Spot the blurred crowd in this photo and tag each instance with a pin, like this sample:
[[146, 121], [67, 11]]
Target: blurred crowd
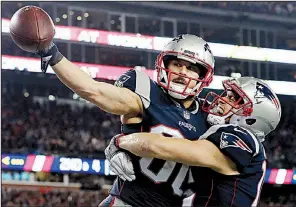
[[267, 7], [263, 7], [284, 200], [11, 197], [32, 127], [280, 145]]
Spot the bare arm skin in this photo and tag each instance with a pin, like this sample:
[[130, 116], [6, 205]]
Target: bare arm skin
[[112, 99], [194, 153]]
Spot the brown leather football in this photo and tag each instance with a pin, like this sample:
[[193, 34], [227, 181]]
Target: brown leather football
[[31, 28]]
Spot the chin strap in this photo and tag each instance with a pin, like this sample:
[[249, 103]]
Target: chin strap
[[176, 95], [180, 88]]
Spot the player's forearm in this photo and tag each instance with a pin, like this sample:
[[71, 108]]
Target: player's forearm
[[193, 153], [106, 96], [157, 146], [73, 77], [138, 144]]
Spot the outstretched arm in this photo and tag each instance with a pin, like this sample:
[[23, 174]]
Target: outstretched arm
[[194, 153], [109, 98]]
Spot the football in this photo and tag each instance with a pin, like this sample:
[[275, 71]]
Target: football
[[31, 29]]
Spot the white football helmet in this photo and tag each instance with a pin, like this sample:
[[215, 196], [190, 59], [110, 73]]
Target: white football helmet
[[257, 107], [190, 48]]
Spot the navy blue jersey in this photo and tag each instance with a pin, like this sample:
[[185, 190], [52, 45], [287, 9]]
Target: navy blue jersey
[[247, 152], [158, 182]]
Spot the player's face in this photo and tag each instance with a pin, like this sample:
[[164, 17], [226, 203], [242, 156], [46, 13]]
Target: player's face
[[223, 107], [185, 68]]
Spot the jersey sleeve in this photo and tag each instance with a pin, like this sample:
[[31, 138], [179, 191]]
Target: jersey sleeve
[[137, 82], [237, 143]]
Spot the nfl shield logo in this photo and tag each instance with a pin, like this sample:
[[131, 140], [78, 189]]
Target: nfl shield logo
[[186, 115], [123, 78]]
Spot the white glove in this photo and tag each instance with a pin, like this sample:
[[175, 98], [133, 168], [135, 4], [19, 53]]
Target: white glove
[[112, 149], [122, 166]]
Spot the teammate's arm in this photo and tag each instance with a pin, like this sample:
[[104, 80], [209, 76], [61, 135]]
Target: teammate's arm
[[194, 153], [109, 98]]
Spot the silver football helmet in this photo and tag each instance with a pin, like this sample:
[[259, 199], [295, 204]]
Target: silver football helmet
[[257, 107], [190, 48]]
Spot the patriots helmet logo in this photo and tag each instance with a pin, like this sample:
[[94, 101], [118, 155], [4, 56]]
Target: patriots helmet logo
[[207, 48], [178, 38], [231, 140], [263, 92]]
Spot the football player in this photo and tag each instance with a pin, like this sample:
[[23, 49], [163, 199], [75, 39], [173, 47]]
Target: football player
[[169, 106], [231, 149]]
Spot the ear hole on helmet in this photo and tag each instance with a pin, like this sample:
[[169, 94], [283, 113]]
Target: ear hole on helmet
[[250, 121]]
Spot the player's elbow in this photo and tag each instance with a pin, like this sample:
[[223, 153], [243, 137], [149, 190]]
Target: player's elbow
[[97, 96]]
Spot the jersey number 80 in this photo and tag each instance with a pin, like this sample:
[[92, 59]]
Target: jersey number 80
[[165, 172]]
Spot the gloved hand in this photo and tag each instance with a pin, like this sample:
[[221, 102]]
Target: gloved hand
[[49, 56], [122, 166], [120, 162], [112, 148]]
